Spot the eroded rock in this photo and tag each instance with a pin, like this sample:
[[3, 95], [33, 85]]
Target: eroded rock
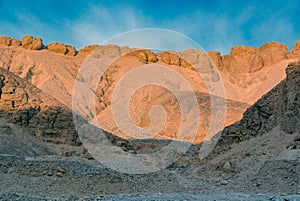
[[295, 53], [61, 48], [8, 41], [32, 43]]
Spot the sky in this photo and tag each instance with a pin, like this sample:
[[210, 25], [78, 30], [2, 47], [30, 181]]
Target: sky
[[213, 24]]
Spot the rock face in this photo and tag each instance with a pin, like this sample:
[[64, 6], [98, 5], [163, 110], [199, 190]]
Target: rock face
[[241, 58], [54, 74], [61, 48], [109, 51], [173, 59], [247, 73], [216, 59], [14, 141], [245, 59], [295, 53], [144, 98], [145, 56], [28, 107], [272, 53], [7, 41], [32, 43], [87, 50], [279, 107]]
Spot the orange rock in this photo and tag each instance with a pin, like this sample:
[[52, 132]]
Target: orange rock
[[61, 48], [241, 58], [57, 48], [71, 50], [272, 52], [8, 41], [216, 59], [225, 61], [87, 50], [169, 58], [295, 53], [173, 59], [32, 43], [145, 56], [5, 40]]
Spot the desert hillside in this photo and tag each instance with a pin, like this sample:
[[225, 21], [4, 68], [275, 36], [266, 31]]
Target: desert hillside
[[250, 153], [247, 73]]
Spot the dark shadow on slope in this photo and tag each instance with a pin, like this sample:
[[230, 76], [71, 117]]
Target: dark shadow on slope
[[279, 107]]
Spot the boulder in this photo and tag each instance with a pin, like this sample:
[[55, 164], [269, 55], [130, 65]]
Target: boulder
[[7, 41], [61, 48], [15, 42], [57, 48], [145, 56], [32, 43]]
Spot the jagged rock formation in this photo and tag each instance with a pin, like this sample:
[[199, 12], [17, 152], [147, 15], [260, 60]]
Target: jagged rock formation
[[279, 107], [247, 73], [145, 56], [258, 154], [52, 73], [295, 53], [7, 41], [40, 115], [86, 51], [62, 49], [245, 59], [32, 43], [146, 97]]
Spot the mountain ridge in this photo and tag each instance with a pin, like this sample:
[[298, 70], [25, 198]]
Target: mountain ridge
[[247, 73]]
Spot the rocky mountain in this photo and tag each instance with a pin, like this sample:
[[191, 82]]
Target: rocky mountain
[[262, 149], [247, 74], [256, 157], [280, 108]]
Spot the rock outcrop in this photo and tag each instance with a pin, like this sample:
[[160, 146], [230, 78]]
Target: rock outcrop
[[61, 48], [247, 73], [86, 51], [245, 59], [145, 56], [216, 59], [110, 51], [295, 53], [271, 53], [172, 58], [8, 41], [32, 43], [241, 59], [40, 115]]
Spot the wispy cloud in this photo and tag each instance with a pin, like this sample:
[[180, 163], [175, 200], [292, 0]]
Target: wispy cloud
[[100, 23]]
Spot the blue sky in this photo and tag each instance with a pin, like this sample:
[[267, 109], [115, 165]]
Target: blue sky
[[214, 24]]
